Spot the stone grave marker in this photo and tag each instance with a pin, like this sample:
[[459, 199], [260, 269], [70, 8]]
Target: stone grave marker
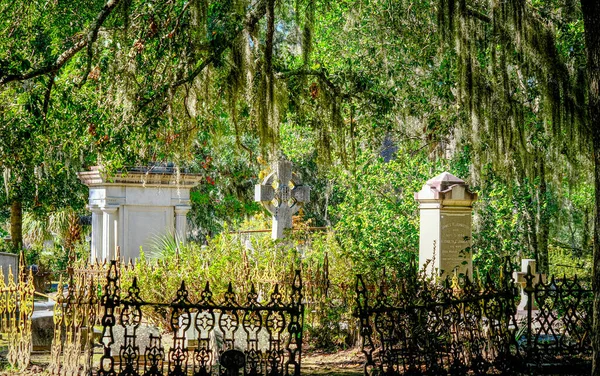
[[519, 277], [216, 337], [445, 204], [145, 336], [282, 194], [42, 325], [9, 260]]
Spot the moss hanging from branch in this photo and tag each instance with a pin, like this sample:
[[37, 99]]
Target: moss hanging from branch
[[509, 71]]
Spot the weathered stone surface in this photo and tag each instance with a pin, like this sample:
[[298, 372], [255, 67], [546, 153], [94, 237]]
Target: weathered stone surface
[[9, 260], [445, 204], [282, 194], [519, 277], [42, 326], [142, 338], [217, 337], [132, 209]]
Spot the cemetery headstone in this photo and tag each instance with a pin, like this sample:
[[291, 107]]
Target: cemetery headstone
[[445, 204], [9, 260], [42, 326], [527, 265], [131, 209], [282, 194], [216, 336], [144, 335]]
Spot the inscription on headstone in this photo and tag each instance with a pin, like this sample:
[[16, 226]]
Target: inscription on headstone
[[455, 242]]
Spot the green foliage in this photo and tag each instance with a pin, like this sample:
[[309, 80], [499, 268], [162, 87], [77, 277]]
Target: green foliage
[[201, 83], [377, 216], [562, 263], [245, 260]]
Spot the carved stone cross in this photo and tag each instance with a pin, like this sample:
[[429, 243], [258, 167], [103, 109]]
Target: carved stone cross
[[282, 194], [527, 266]]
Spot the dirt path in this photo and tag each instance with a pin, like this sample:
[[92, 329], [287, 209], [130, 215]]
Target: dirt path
[[340, 363]]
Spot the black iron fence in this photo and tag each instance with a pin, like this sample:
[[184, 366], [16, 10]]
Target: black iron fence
[[421, 327], [416, 326], [226, 337], [557, 326]]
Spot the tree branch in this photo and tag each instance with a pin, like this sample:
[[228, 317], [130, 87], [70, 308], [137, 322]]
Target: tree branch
[[93, 35], [477, 14], [48, 92], [55, 66], [252, 18], [68, 54], [310, 72], [189, 78], [260, 9]]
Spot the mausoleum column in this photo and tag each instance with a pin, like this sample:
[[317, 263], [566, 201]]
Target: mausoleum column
[[96, 233], [109, 229], [445, 205], [181, 221]]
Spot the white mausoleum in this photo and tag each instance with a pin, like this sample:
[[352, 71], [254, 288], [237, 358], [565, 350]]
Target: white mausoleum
[[134, 208]]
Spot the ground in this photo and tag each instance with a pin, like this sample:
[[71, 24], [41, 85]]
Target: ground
[[341, 363]]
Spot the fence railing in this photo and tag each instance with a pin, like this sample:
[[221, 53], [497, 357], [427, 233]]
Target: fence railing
[[16, 308], [260, 338], [558, 322], [465, 327], [417, 326], [428, 328]]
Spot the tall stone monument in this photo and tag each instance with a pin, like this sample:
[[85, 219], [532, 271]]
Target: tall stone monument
[[445, 205], [282, 194], [135, 207]]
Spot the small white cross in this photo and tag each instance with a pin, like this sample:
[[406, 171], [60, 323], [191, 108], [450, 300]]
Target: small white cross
[[520, 278]]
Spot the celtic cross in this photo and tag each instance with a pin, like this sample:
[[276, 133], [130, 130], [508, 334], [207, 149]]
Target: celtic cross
[[282, 194]]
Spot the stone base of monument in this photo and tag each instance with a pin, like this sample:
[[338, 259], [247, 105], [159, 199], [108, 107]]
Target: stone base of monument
[[42, 326]]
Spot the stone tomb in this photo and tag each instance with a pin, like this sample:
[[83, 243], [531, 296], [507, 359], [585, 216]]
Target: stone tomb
[[42, 326], [134, 208], [445, 205]]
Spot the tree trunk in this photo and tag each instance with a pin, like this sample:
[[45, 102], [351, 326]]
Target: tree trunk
[[16, 224], [591, 22]]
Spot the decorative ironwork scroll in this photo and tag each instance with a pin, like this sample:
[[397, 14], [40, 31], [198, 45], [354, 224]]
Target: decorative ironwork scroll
[[16, 309], [260, 338], [424, 328], [558, 335], [463, 327], [76, 312]]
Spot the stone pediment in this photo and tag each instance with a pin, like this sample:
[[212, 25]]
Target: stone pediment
[[139, 176]]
